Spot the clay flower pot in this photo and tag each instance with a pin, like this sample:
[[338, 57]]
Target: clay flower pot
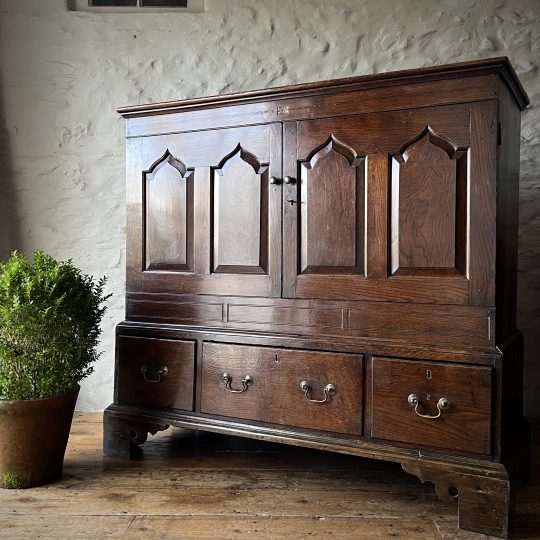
[[33, 439]]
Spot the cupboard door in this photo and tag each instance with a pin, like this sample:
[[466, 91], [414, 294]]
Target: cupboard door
[[204, 214], [393, 206]]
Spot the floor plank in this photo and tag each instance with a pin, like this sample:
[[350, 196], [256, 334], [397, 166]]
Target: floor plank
[[27, 526], [279, 528], [202, 485], [205, 501]]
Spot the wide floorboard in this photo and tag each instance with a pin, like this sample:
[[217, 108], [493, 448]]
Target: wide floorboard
[[207, 486]]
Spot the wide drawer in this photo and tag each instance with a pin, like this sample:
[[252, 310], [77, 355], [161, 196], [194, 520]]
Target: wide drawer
[[156, 372], [432, 404], [264, 384]]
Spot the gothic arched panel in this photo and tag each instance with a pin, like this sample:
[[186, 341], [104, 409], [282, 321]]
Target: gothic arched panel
[[240, 214], [332, 191], [429, 207], [168, 211]]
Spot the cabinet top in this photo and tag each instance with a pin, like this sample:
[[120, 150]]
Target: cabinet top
[[499, 65]]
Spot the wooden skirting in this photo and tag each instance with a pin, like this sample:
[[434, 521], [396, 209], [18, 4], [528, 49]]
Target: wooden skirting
[[202, 485]]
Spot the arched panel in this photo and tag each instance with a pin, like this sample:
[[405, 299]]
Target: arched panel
[[168, 211], [429, 207], [240, 214], [331, 210]]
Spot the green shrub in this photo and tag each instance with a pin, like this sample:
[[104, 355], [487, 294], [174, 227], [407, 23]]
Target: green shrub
[[50, 315]]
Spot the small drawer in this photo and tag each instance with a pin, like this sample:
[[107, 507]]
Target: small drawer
[[265, 384], [156, 372], [432, 404]]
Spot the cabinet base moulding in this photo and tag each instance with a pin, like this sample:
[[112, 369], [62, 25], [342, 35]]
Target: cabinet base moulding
[[483, 490]]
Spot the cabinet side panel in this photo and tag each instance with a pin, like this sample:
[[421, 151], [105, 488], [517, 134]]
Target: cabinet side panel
[[134, 222], [507, 214]]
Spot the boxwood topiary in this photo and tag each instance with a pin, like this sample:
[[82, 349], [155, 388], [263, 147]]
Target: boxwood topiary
[[50, 315]]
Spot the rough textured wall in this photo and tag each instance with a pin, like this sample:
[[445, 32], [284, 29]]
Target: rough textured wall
[[63, 74]]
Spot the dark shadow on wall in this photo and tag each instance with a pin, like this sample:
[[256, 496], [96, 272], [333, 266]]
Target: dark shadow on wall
[[9, 230]]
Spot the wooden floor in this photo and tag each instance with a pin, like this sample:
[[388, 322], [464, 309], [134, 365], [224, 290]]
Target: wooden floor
[[189, 485]]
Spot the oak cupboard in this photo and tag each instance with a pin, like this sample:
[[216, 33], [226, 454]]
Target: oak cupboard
[[333, 265]]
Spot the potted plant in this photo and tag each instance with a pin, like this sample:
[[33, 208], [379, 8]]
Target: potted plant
[[50, 316]]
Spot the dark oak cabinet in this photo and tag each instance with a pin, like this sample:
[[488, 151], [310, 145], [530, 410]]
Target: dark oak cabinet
[[333, 265]]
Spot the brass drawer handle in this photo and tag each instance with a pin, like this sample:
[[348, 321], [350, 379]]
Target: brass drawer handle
[[442, 405], [247, 381], [329, 390], [161, 372]]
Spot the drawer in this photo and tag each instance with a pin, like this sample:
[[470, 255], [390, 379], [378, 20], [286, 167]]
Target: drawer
[[455, 402], [271, 391], [156, 372]]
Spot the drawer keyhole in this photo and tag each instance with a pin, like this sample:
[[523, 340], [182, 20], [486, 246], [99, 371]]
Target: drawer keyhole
[[428, 375]]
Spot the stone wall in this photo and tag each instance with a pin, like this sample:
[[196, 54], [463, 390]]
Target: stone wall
[[63, 74]]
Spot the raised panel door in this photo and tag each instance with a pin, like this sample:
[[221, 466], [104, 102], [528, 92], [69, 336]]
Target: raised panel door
[[203, 216], [393, 206]]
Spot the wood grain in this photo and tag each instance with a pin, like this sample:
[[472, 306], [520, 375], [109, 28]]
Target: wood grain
[[500, 65], [483, 194], [275, 395], [168, 216], [321, 104], [211, 215], [173, 389], [279, 528], [385, 131], [212, 467], [314, 231], [447, 346], [332, 208], [424, 190], [290, 212], [240, 216], [468, 389], [377, 221]]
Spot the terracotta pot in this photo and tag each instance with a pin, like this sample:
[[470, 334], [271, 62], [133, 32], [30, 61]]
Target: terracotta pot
[[33, 439]]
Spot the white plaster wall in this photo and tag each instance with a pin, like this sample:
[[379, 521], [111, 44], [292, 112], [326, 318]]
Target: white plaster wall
[[63, 74]]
